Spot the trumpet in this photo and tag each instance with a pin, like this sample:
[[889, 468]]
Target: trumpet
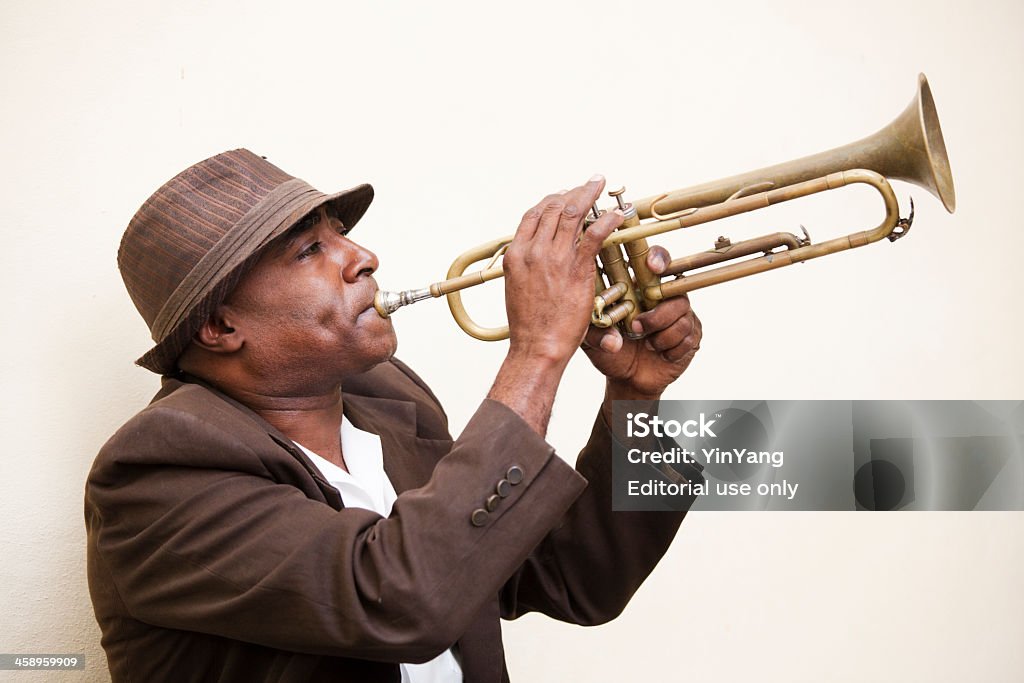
[[910, 149]]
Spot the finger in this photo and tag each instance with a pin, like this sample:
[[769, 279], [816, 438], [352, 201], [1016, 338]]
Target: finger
[[688, 346], [658, 259], [587, 193], [680, 354], [531, 219], [577, 202], [663, 315], [608, 340], [550, 216], [672, 336], [611, 341], [598, 231]]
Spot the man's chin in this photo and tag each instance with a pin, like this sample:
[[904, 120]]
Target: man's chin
[[384, 348], [392, 345]]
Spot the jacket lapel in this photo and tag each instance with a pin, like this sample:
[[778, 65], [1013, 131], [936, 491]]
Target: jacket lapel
[[408, 459]]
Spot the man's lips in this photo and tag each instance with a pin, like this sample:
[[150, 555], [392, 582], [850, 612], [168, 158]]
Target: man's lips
[[370, 306]]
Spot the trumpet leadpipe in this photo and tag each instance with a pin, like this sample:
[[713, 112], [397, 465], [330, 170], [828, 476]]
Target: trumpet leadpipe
[[387, 303]]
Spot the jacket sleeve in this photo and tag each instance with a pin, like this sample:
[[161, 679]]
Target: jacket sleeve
[[206, 539], [587, 569]]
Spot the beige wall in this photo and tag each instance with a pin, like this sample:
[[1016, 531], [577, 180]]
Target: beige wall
[[462, 117]]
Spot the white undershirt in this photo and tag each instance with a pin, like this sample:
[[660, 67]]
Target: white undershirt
[[367, 486]]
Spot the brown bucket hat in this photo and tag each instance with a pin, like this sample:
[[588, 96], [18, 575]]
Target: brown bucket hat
[[190, 243]]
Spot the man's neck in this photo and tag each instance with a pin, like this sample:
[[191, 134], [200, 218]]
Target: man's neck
[[307, 409], [313, 421]]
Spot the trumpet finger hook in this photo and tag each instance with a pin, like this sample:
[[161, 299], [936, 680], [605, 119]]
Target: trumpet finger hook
[[903, 225]]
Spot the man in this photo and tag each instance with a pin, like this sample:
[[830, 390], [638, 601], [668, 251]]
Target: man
[[291, 507]]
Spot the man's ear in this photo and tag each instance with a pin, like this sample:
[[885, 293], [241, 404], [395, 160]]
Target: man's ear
[[218, 333]]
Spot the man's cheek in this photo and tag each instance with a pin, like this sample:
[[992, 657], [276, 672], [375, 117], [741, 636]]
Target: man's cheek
[[326, 318]]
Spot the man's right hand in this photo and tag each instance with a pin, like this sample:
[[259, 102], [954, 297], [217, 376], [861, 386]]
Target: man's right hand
[[550, 272]]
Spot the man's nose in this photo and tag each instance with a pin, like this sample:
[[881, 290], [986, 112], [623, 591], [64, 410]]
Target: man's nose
[[359, 261]]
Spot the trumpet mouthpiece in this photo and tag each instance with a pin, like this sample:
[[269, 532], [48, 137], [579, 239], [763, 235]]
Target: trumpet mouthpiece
[[387, 303]]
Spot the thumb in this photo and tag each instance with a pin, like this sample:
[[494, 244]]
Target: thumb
[[608, 340], [658, 259]]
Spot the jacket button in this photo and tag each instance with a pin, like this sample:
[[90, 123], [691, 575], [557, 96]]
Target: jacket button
[[503, 488], [514, 474], [492, 502], [479, 517]]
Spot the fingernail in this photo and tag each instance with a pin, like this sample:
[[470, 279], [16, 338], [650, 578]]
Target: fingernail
[[618, 211], [637, 327], [659, 260], [648, 345], [597, 178], [562, 191]]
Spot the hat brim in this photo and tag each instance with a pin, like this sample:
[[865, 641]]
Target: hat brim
[[350, 206]]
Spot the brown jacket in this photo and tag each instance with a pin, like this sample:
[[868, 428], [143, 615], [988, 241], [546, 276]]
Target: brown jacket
[[217, 552]]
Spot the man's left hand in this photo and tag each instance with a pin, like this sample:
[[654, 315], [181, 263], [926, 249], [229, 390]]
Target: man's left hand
[[642, 368]]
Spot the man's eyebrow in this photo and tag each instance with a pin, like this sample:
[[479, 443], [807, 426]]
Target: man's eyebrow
[[283, 242]]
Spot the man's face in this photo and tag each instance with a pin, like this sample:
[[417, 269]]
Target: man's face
[[306, 308]]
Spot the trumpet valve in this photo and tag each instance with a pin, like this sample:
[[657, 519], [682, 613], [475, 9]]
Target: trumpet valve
[[627, 209]]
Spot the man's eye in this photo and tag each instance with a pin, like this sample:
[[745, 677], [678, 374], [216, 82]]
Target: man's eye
[[309, 251]]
